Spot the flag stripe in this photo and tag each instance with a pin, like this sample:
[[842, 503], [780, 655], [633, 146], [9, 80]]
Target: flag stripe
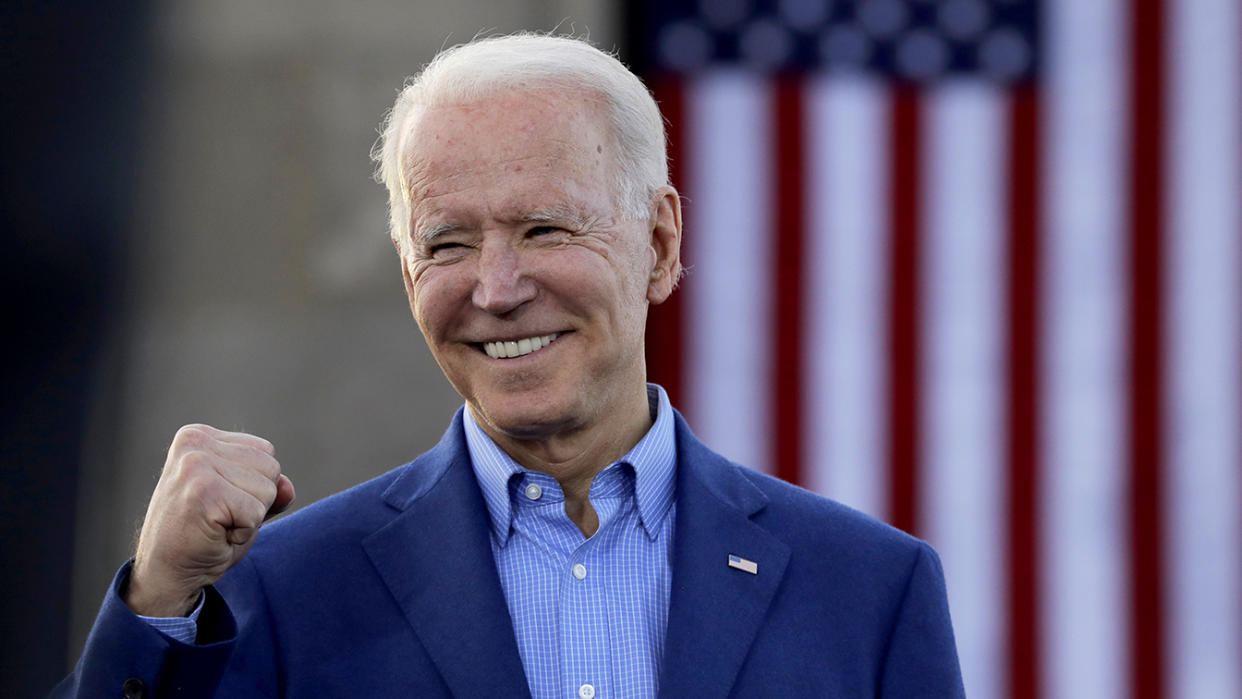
[[961, 494], [846, 298], [1145, 341], [789, 233], [904, 287], [1082, 482], [1204, 296], [1023, 451], [665, 350], [729, 287]]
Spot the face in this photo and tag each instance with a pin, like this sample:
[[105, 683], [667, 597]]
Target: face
[[529, 284]]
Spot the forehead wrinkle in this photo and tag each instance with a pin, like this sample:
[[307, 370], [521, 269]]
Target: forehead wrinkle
[[523, 158], [423, 182], [426, 185]]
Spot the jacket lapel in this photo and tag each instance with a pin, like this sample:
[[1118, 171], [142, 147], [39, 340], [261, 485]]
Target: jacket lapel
[[715, 610], [436, 560]]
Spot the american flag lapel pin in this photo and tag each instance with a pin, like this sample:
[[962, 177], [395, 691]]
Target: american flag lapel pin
[[743, 564]]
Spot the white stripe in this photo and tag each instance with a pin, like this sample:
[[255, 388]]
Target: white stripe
[[847, 185], [1204, 647], [728, 251], [1083, 534], [963, 184]]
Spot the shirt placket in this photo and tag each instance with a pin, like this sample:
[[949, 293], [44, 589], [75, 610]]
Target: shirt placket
[[586, 639], [585, 636]]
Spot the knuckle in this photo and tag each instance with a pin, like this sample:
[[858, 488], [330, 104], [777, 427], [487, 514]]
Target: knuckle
[[198, 490], [267, 496], [264, 446], [195, 461], [251, 515], [193, 435], [241, 536], [191, 429], [268, 466]]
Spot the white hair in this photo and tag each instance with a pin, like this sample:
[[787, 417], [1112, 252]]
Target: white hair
[[528, 61]]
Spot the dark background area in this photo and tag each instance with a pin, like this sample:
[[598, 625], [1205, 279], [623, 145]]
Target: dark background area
[[73, 78]]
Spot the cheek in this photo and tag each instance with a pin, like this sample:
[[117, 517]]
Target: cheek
[[435, 298]]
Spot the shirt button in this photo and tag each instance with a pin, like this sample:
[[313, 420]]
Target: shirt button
[[134, 688], [534, 492], [580, 573], [586, 691]]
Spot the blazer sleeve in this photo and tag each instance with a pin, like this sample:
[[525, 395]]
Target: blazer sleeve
[[125, 656], [921, 657]]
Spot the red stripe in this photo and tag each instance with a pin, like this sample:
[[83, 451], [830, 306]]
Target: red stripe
[[1145, 362], [789, 236], [904, 326], [1022, 429], [664, 322]]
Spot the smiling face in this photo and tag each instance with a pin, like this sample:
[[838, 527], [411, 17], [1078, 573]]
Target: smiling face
[[528, 282]]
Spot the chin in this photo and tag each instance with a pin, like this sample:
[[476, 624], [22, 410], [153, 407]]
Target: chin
[[526, 417]]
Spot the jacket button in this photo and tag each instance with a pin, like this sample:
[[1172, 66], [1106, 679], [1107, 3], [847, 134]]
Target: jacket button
[[134, 688]]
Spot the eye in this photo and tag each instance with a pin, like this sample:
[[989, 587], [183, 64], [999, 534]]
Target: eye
[[549, 234], [446, 249]]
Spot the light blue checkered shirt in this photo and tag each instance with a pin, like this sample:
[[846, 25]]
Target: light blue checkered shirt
[[589, 614]]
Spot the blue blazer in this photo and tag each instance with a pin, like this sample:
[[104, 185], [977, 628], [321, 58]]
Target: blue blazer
[[389, 589]]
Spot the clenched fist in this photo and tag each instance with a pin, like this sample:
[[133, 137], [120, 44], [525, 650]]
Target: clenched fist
[[216, 489]]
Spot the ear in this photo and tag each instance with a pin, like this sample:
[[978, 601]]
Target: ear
[[666, 246]]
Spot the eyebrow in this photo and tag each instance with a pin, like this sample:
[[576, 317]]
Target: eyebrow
[[428, 235], [576, 219], [553, 215]]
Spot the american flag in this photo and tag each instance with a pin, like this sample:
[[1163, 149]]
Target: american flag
[[973, 267]]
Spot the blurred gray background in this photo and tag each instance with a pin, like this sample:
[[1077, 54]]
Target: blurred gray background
[[266, 296], [259, 289]]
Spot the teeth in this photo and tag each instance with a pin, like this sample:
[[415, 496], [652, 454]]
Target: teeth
[[517, 348]]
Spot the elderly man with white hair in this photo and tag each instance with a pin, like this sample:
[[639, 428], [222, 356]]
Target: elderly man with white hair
[[569, 536]]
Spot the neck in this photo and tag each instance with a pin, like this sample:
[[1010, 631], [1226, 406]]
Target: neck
[[575, 457]]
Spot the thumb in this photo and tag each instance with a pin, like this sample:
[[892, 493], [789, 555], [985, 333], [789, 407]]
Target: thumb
[[285, 495]]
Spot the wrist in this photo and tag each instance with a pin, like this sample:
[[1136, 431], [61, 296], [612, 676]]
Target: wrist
[[146, 598]]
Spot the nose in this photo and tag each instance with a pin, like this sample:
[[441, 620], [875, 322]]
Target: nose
[[502, 285]]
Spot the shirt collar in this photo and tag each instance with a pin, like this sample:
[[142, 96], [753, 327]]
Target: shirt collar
[[654, 460]]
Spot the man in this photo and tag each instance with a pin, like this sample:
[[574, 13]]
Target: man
[[569, 536]]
